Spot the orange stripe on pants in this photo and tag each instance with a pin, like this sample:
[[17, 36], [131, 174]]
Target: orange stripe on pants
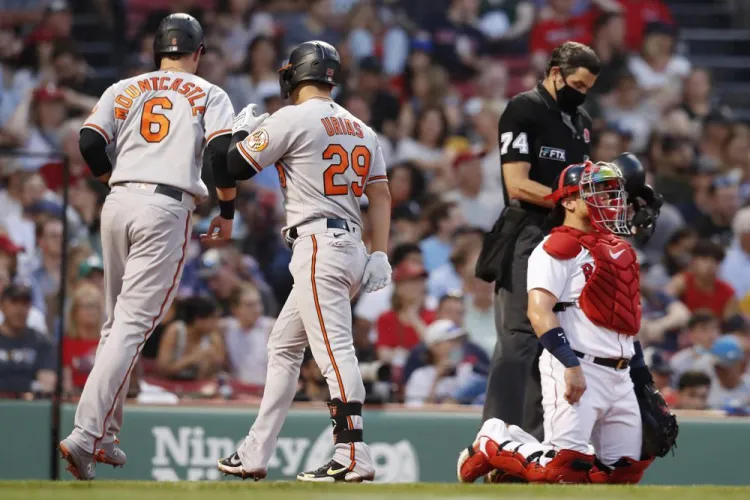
[[328, 344]]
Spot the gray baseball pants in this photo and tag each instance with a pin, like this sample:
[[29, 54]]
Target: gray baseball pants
[[144, 241]]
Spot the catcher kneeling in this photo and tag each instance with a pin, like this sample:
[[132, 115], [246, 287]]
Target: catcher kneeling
[[603, 420]]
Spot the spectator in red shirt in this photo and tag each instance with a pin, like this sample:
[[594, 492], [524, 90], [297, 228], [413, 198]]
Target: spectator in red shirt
[[56, 25], [556, 25], [85, 320], [700, 288], [638, 13], [402, 328]]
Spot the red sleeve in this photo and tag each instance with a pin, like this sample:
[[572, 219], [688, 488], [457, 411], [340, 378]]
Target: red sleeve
[[428, 316], [725, 292], [385, 328], [587, 22], [665, 14], [538, 42], [68, 351]]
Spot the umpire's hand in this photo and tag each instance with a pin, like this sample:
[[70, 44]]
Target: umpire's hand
[[219, 231], [575, 384]]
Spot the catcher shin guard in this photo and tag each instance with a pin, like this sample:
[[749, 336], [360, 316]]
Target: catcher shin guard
[[474, 461], [343, 429], [509, 464], [624, 471], [567, 466]]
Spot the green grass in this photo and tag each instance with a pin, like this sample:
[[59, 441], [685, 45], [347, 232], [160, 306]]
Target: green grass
[[235, 490]]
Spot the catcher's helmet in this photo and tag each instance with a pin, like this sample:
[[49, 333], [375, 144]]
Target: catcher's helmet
[[567, 183], [602, 187], [310, 61], [178, 34]]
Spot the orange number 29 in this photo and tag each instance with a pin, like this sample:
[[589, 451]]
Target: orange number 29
[[154, 125], [359, 159]]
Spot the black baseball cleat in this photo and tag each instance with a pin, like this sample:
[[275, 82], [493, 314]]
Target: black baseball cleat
[[232, 466], [334, 472]]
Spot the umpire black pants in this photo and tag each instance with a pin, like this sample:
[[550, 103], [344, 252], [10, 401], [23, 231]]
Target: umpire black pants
[[514, 392]]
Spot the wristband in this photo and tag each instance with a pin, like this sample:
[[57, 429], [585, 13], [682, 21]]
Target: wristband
[[226, 209], [557, 344]]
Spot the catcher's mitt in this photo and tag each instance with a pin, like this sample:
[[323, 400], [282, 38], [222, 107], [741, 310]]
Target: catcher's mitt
[[660, 427]]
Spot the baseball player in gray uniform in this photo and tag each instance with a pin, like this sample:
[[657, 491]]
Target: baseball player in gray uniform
[[326, 160], [146, 137]]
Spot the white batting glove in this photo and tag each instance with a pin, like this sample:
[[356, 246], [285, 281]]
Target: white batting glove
[[377, 272], [247, 121]]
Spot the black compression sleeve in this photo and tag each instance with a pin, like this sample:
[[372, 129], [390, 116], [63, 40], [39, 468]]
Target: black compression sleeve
[[236, 164], [217, 150], [93, 149]]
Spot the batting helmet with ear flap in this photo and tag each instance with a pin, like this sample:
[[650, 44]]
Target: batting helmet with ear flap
[[632, 171], [314, 61], [178, 34]]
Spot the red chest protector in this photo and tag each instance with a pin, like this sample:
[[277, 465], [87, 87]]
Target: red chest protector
[[611, 297]]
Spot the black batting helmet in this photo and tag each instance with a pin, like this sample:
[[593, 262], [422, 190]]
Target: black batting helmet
[[178, 34], [633, 172], [314, 61]]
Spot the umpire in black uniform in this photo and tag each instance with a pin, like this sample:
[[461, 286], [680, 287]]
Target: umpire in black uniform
[[541, 132]]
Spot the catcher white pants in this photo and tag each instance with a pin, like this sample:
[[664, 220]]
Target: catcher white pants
[[327, 268], [607, 415]]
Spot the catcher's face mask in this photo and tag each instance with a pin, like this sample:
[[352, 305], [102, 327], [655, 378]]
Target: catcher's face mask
[[602, 188]]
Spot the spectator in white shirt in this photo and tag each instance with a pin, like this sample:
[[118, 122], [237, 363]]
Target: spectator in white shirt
[[446, 373], [730, 387], [479, 318], [246, 334], [702, 331], [658, 69], [448, 277], [478, 206], [630, 112], [735, 268]]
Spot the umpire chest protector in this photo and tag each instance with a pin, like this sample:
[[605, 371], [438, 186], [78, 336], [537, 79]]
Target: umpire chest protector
[[611, 296]]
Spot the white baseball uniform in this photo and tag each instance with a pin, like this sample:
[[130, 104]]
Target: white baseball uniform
[[157, 126], [325, 158], [607, 414]]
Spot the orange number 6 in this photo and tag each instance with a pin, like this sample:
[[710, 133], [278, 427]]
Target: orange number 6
[[150, 117], [360, 162]]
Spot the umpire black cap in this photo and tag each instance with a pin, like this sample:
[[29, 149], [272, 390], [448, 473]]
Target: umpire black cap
[[178, 34], [314, 61]]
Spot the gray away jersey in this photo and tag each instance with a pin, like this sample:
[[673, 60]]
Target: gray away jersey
[[325, 158], [157, 125]]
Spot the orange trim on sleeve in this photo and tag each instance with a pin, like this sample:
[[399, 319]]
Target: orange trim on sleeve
[[377, 178], [98, 129], [249, 158], [218, 132]]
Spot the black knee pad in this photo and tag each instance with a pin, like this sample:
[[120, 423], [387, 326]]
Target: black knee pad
[[340, 413]]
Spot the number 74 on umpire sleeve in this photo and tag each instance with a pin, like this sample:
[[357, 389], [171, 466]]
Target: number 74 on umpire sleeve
[[521, 143]]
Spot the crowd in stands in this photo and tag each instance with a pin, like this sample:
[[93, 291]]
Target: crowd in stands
[[432, 78]]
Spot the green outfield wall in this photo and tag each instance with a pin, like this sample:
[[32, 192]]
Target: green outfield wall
[[177, 443]]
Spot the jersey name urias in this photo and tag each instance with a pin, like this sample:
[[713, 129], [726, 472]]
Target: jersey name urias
[[157, 125], [325, 158]]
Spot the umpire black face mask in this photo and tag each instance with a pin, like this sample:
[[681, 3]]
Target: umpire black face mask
[[568, 98]]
